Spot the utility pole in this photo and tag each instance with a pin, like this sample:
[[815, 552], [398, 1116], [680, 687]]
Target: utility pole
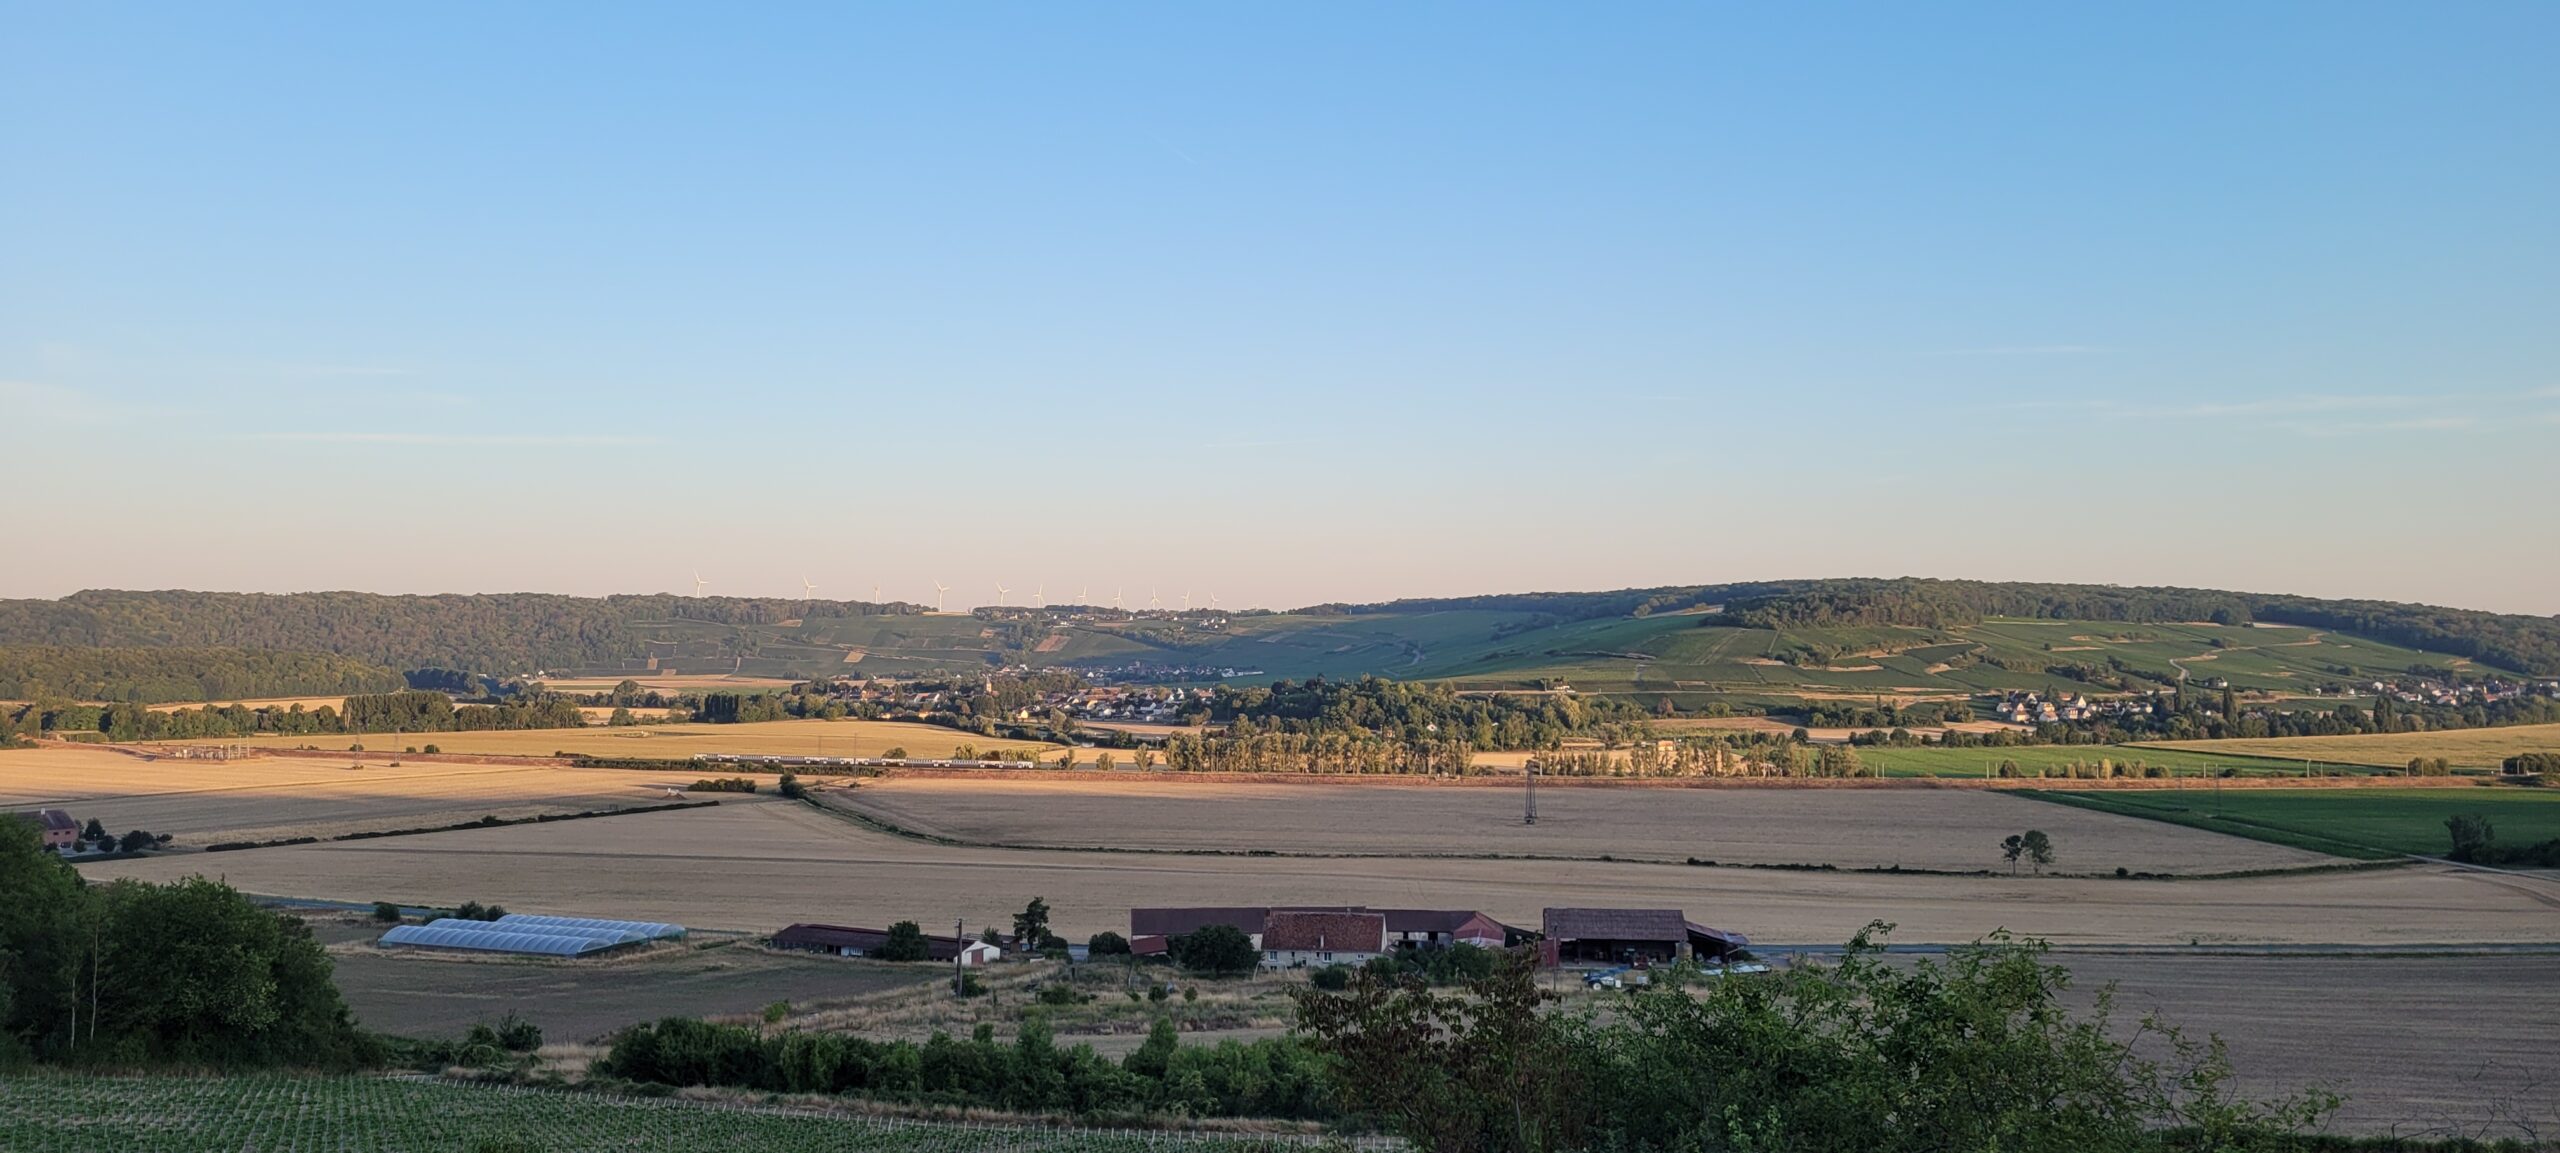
[[960, 958], [1529, 810]]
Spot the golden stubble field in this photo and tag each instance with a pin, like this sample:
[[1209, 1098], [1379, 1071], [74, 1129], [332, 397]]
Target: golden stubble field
[[1850, 828], [760, 864], [675, 742], [2466, 748], [268, 798]]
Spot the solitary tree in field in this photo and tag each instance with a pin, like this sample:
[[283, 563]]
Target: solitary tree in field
[[1031, 925], [2039, 848], [2011, 849]]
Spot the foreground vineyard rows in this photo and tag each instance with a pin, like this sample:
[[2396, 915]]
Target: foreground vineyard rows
[[377, 1115]]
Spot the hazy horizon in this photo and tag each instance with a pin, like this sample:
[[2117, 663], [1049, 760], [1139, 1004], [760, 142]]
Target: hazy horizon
[[1295, 306]]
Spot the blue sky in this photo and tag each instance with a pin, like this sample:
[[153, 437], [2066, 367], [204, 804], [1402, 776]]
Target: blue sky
[[1294, 303]]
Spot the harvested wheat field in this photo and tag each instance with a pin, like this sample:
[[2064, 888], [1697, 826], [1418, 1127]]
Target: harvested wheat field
[[1942, 829], [761, 865], [676, 742], [269, 798], [2433, 1045], [2466, 748]]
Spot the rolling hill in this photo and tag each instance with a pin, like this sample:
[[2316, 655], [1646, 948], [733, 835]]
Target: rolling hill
[[1750, 643]]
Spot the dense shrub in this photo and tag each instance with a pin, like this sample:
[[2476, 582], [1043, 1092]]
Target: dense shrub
[[906, 943], [189, 973], [1973, 1051], [2522, 764], [1276, 1077], [1215, 950]]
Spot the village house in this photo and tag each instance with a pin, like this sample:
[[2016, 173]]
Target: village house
[[1292, 939], [57, 828]]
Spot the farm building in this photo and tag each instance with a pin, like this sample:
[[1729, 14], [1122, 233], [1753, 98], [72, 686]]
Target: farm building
[[55, 826], [1441, 928], [846, 941], [1174, 922], [531, 935], [1631, 937], [1403, 928], [652, 930], [1293, 938]]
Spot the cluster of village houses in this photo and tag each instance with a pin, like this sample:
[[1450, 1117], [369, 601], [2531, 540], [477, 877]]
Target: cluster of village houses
[[2490, 691], [2032, 708], [1291, 937]]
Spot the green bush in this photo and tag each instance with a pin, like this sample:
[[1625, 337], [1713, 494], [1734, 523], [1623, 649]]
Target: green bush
[[1215, 950], [386, 912], [1976, 1050], [906, 943]]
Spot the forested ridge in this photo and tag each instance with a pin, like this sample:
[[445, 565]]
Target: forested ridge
[[511, 633], [2526, 644], [482, 632], [146, 676]]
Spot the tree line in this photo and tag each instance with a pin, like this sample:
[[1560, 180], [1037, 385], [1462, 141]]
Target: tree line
[[402, 712]]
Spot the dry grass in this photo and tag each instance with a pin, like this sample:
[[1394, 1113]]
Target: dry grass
[[269, 798], [2466, 748], [757, 867], [1913, 828], [675, 742]]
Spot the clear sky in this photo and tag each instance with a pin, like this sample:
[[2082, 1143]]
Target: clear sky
[[1290, 302]]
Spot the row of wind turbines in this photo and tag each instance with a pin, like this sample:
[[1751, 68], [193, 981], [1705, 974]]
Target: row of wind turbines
[[1039, 594]]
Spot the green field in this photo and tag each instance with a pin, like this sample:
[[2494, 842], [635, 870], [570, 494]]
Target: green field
[[2056, 760], [50, 1114], [2368, 823]]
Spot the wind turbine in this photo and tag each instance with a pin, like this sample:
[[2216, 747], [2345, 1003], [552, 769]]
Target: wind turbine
[[1115, 599], [1084, 594], [698, 582], [1040, 595], [875, 594], [1213, 600], [1186, 600], [939, 588], [1152, 602], [1000, 593], [806, 589]]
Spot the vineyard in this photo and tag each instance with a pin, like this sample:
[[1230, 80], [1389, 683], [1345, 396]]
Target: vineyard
[[48, 1114]]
